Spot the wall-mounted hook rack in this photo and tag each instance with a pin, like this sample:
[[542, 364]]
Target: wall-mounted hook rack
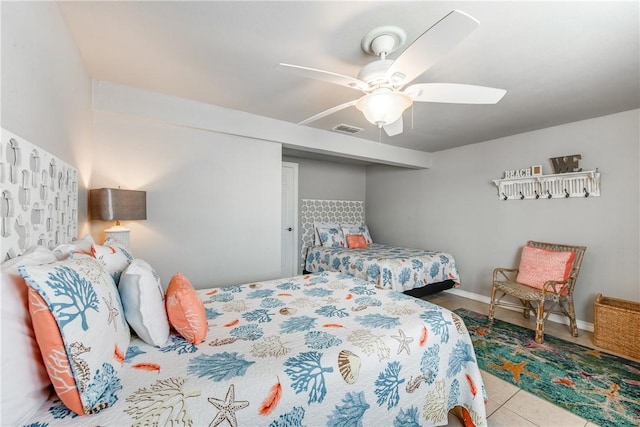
[[556, 186]]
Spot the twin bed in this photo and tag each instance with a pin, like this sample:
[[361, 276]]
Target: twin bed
[[325, 348], [389, 267], [416, 272]]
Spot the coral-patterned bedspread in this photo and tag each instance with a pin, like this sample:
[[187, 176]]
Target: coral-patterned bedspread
[[322, 349], [388, 267]]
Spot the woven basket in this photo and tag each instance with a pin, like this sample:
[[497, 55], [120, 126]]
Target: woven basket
[[617, 325]]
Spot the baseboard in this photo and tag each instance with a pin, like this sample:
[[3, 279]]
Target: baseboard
[[585, 326]]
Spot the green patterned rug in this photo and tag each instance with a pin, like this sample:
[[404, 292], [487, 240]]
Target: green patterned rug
[[594, 385]]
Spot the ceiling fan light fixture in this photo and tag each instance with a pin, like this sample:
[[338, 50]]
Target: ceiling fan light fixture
[[383, 80], [383, 108]]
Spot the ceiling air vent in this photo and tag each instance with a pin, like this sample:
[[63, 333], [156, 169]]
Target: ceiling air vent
[[346, 129]]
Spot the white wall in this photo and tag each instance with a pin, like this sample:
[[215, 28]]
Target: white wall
[[213, 200], [454, 206], [318, 179], [46, 90]]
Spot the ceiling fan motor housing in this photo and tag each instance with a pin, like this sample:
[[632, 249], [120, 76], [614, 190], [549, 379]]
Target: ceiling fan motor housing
[[374, 72]]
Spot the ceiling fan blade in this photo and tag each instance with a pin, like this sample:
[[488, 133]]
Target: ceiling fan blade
[[394, 128], [327, 76], [329, 111], [453, 93], [434, 43]]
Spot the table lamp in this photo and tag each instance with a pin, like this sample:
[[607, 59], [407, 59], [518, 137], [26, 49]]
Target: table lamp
[[115, 204]]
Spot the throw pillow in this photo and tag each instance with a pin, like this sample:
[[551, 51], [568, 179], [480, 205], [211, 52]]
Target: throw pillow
[[113, 257], [81, 245], [143, 301], [185, 310], [331, 237], [81, 330], [356, 241], [537, 266], [316, 233], [358, 229]]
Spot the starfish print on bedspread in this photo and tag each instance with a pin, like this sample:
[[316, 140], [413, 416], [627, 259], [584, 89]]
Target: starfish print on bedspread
[[516, 369], [227, 408], [113, 311], [403, 341]]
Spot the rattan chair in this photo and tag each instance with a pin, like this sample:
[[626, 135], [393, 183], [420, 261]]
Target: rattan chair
[[542, 302]]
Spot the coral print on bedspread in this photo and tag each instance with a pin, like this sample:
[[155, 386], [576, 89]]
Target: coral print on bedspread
[[388, 267], [325, 349]]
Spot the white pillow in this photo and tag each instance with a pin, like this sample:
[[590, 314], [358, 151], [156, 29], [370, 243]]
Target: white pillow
[[81, 245], [113, 257], [25, 382], [142, 297], [316, 225]]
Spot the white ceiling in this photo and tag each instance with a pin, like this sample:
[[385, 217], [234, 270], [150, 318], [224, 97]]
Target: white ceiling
[[559, 61]]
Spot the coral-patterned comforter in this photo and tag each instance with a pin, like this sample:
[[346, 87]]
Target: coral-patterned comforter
[[322, 349], [388, 267]]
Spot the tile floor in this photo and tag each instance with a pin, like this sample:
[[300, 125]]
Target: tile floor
[[508, 405]]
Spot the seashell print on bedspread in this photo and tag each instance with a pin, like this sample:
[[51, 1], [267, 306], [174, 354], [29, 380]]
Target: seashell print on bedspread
[[321, 349], [387, 267]]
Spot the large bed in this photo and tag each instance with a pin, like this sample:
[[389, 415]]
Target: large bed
[[90, 336], [325, 225], [321, 349]]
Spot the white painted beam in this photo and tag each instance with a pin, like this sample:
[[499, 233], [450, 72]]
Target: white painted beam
[[115, 98]]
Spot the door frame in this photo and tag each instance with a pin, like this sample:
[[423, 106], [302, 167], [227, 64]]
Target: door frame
[[296, 237]]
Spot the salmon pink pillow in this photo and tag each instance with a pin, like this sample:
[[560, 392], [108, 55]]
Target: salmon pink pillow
[[537, 266], [356, 241], [51, 344], [185, 310]]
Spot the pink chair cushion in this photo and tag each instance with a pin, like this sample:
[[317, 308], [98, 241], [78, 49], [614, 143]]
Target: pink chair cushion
[[537, 266]]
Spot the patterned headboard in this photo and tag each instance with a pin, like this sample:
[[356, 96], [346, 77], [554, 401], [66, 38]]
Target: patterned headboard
[[336, 211], [38, 197]]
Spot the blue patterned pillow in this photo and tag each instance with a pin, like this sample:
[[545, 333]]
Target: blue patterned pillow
[[316, 230], [78, 299], [331, 237]]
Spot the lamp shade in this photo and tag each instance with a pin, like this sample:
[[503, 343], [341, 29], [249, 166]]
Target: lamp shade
[[384, 107], [114, 204]]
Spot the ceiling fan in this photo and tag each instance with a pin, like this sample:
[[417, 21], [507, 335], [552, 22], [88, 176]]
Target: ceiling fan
[[383, 80]]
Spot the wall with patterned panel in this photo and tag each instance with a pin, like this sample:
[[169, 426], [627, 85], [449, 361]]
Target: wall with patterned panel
[[333, 211], [38, 197]]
